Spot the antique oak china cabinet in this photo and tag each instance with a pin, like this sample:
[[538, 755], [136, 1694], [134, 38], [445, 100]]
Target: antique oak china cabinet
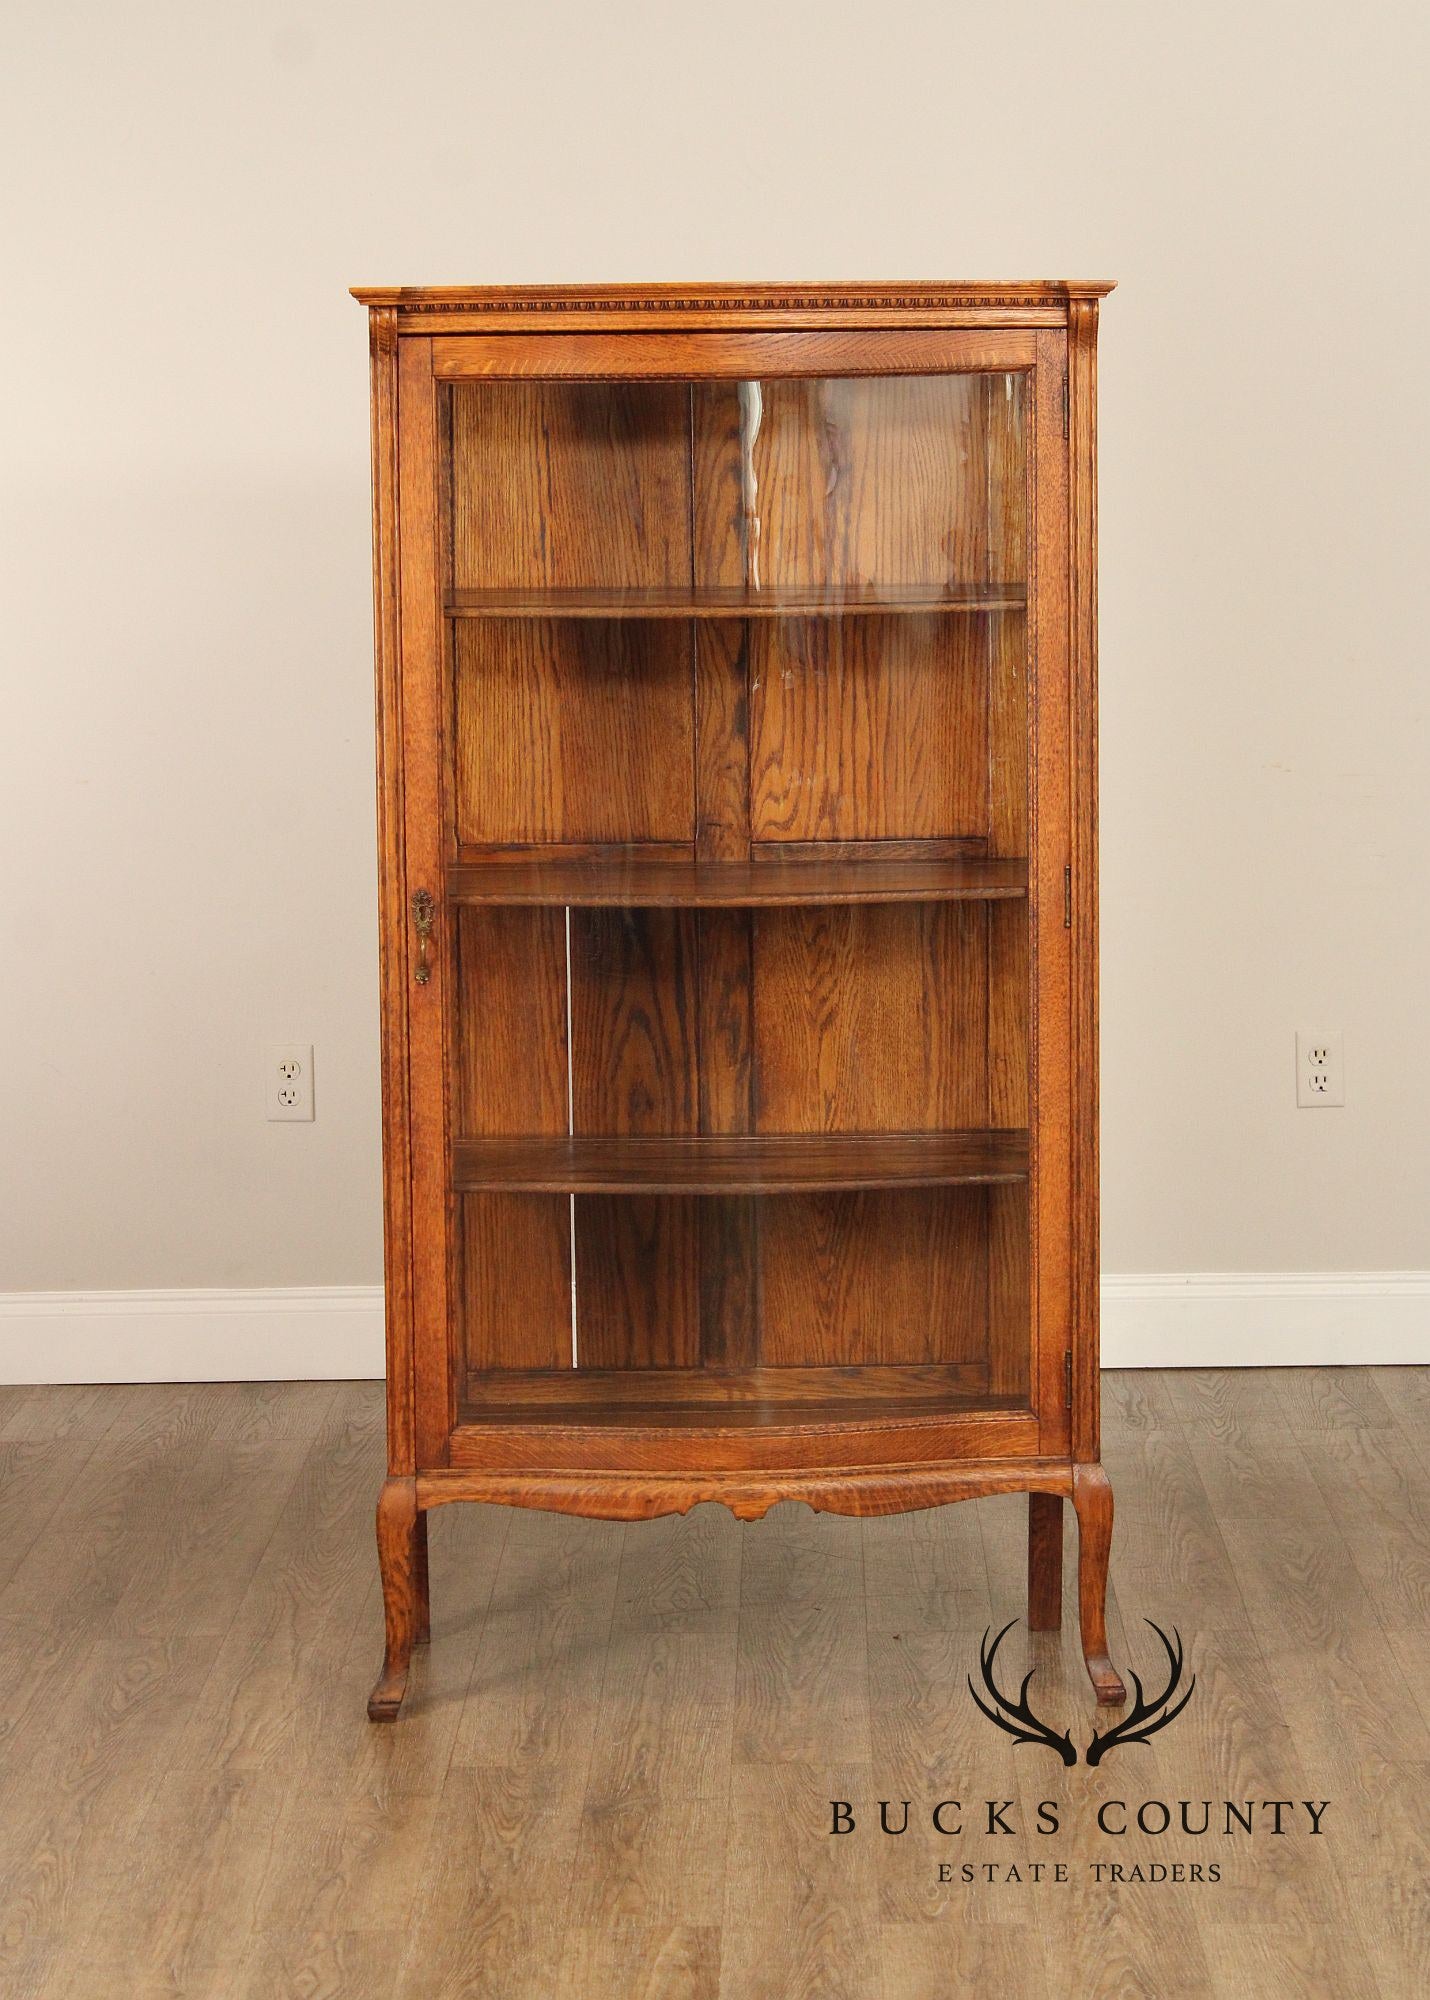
[[736, 669]]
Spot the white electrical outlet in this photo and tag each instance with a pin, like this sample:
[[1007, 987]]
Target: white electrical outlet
[[1320, 1069], [288, 1080]]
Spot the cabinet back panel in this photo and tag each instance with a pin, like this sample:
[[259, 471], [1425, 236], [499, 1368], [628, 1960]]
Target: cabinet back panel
[[869, 728], [634, 1069], [572, 730], [872, 1017], [560, 485], [794, 481], [509, 1075], [875, 1276], [875, 1017], [732, 735]]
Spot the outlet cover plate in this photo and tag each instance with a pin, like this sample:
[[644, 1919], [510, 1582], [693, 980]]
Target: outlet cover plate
[[288, 1082], [1320, 1069]]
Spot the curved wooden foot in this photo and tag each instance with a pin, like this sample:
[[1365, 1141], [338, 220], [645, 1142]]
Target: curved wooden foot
[[397, 1544], [1092, 1497], [1045, 1562]]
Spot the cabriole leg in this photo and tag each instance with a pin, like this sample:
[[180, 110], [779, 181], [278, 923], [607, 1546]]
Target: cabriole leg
[[1045, 1562], [419, 1578], [397, 1553], [1092, 1497]]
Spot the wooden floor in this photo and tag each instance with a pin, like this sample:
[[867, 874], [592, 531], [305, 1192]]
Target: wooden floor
[[613, 1774]]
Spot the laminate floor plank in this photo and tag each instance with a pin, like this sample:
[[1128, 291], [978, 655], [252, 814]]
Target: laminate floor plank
[[177, 1901], [1407, 1396], [614, 1770], [801, 1906], [1225, 1405], [290, 1412], [623, 1961], [1136, 1400], [360, 1965], [1269, 1965], [653, 1819], [931, 1961], [1374, 1487], [78, 1796], [681, 1571], [491, 1912], [1170, 1556], [278, 1695], [1409, 1646], [1324, 1401], [539, 1663], [36, 1477], [927, 1570], [75, 1570], [1392, 1903], [81, 1412], [802, 1677], [1292, 1564]]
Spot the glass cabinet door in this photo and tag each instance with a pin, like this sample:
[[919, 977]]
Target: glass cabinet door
[[737, 782]]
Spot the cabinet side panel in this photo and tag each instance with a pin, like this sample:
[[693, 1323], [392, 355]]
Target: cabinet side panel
[[510, 1076], [1082, 410], [1050, 856], [397, 1192], [633, 1070], [425, 734]]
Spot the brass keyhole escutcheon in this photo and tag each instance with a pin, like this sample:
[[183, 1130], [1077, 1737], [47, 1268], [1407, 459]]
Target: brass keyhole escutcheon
[[424, 913]]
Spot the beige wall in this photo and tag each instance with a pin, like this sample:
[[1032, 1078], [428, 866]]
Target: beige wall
[[185, 759]]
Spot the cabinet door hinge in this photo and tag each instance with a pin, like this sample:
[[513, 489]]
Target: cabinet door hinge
[[1065, 405], [1067, 1380], [1067, 898]]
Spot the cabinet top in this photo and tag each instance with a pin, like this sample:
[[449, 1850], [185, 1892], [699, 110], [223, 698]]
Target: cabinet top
[[1016, 302]]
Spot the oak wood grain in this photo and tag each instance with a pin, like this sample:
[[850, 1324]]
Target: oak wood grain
[[510, 1076], [634, 1081], [569, 485], [719, 355], [684, 578], [492, 1390], [572, 732], [765, 1163], [629, 879], [194, 1817], [867, 729], [738, 600], [869, 1019]]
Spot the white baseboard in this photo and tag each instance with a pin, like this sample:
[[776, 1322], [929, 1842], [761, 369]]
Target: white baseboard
[[1185, 1319], [290, 1333], [1265, 1319]]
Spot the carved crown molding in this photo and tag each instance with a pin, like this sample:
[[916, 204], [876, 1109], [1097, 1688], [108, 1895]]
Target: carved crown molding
[[417, 299]]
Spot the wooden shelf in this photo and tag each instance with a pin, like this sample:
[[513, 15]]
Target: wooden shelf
[[641, 882], [767, 1164], [735, 601], [728, 1399]]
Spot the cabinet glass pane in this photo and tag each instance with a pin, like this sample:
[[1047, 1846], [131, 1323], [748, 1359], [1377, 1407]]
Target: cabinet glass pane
[[743, 627]]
